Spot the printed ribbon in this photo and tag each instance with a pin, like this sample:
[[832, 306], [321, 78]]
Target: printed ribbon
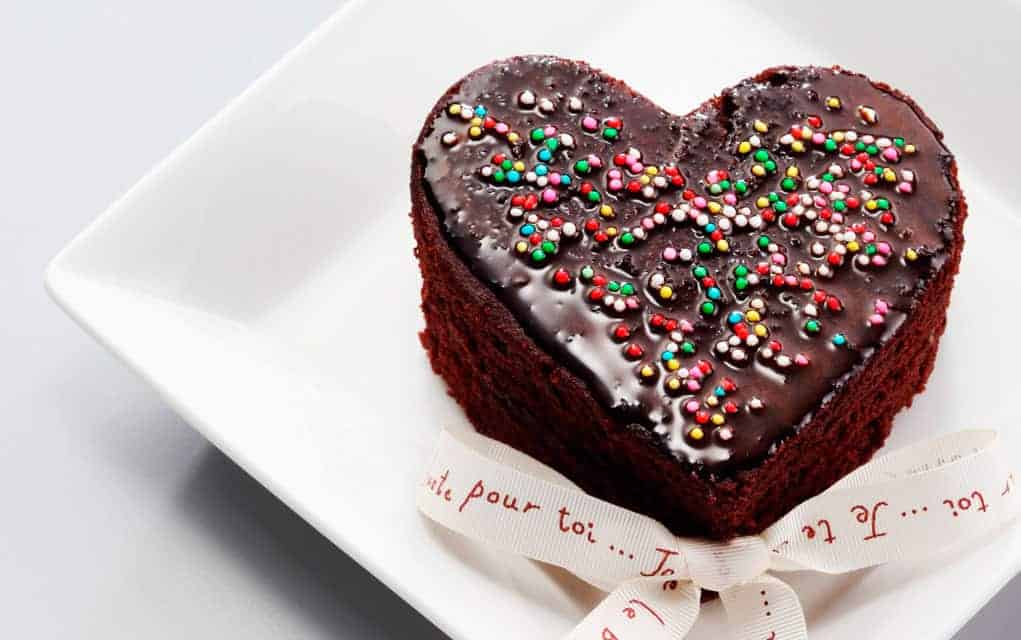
[[910, 503]]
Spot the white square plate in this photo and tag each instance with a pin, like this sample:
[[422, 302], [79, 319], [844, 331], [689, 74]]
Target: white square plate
[[262, 279]]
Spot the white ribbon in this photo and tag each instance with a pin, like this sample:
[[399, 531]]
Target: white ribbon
[[910, 503]]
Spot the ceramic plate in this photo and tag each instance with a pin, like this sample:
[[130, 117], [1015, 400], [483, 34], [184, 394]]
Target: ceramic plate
[[262, 279]]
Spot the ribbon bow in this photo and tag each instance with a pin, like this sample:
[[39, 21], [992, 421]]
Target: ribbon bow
[[910, 503]]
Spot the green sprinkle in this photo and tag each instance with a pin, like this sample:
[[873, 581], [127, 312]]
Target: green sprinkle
[[708, 308], [761, 155], [740, 271], [498, 175], [627, 238], [764, 242], [538, 255], [828, 177], [593, 196], [549, 247], [687, 348], [788, 184], [741, 284], [538, 135], [610, 133], [587, 272], [613, 286], [506, 165], [883, 204], [715, 189], [839, 205], [831, 144], [700, 271], [725, 184], [769, 165], [582, 166], [872, 149], [627, 289], [812, 326], [773, 197], [705, 248], [898, 142], [859, 146], [780, 207], [552, 144], [741, 186]]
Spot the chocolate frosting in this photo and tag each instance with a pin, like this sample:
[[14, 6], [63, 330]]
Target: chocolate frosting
[[714, 277]]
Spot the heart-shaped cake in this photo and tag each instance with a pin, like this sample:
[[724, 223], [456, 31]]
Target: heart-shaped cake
[[705, 318]]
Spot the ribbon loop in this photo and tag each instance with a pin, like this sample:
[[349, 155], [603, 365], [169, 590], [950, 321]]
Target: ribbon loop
[[721, 565]]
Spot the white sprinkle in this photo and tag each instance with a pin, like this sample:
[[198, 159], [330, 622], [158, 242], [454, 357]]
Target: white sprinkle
[[526, 98], [574, 104], [546, 105]]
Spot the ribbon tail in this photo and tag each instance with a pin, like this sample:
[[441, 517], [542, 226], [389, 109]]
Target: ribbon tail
[[650, 609], [764, 609]]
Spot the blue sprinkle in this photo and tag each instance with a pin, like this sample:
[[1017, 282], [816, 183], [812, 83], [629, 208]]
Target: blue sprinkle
[[480, 111], [668, 355], [840, 340], [720, 392], [565, 179], [541, 170], [545, 155], [513, 176], [710, 227], [527, 230], [734, 317], [713, 293]]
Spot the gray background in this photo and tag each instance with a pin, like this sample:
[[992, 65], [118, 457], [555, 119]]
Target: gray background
[[116, 519]]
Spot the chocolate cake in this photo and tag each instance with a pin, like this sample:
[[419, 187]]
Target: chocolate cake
[[705, 318]]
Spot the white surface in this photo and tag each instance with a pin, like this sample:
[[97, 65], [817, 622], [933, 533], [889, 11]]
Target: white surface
[[169, 540]]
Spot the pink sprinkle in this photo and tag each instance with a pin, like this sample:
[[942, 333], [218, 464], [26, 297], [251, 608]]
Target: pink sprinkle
[[879, 261], [856, 165], [693, 386], [695, 373], [713, 177], [669, 254], [890, 153], [730, 199], [636, 167], [778, 258], [801, 360], [905, 187], [614, 173], [875, 319], [687, 327], [550, 131], [691, 406], [549, 196], [818, 138], [700, 202], [868, 236], [826, 187], [632, 303], [648, 223], [882, 307], [838, 217], [843, 187], [819, 201], [884, 248], [588, 123], [594, 161], [616, 185], [501, 127]]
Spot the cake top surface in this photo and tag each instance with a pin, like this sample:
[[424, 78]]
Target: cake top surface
[[713, 277]]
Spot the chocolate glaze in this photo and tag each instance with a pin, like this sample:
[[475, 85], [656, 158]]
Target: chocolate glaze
[[474, 214]]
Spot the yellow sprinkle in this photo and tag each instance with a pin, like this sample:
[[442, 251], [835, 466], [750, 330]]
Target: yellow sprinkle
[[476, 121], [475, 132], [666, 292], [611, 231], [606, 211], [853, 246], [454, 109], [792, 172], [673, 384], [645, 180], [833, 102], [673, 365], [889, 175], [798, 146], [911, 255], [521, 247], [718, 419], [838, 136], [712, 401], [761, 126], [806, 133], [512, 137], [715, 207], [519, 166], [761, 330], [752, 316], [871, 205], [744, 147], [758, 170], [651, 170], [696, 433], [722, 245], [909, 149], [647, 371], [762, 202]]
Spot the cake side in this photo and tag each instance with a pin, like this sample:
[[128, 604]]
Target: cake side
[[513, 389]]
